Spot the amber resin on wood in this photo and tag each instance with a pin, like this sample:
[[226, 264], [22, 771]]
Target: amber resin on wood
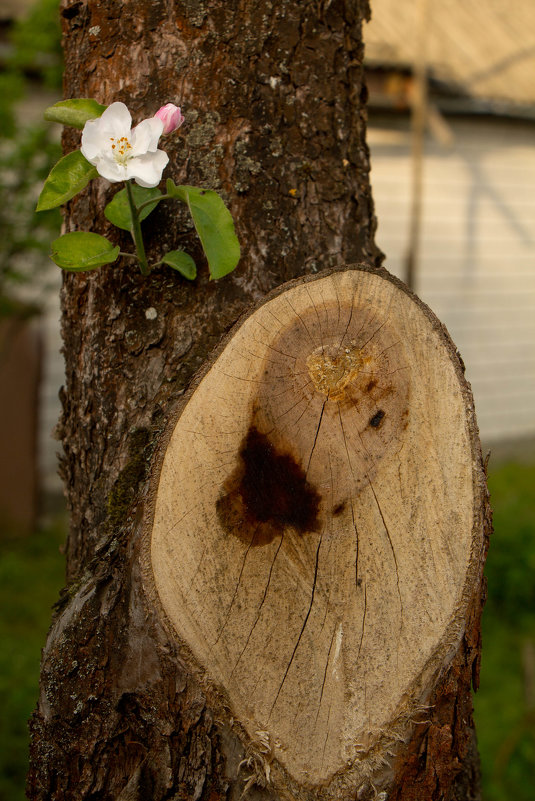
[[313, 522]]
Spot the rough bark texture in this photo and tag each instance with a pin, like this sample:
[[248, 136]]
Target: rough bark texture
[[275, 121]]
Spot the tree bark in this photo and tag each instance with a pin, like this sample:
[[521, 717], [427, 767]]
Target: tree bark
[[275, 121]]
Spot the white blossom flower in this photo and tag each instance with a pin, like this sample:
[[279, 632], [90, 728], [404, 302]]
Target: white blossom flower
[[120, 152]]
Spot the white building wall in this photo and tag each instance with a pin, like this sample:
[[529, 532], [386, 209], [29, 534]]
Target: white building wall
[[476, 265]]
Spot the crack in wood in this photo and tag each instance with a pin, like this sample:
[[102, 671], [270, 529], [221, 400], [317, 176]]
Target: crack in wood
[[314, 581], [261, 605], [316, 436], [253, 535], [325, 674], [391, 548], [301, 321], [322, 338]]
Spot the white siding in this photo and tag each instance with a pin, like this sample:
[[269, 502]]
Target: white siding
[[476, 265]]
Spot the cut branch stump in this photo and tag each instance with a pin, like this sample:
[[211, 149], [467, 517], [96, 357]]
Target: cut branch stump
[[317, 532]]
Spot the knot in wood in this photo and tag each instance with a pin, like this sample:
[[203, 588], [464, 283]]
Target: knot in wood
[[332, 368]]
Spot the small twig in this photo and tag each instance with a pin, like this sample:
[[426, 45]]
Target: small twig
[[152, 201], [137, 236]]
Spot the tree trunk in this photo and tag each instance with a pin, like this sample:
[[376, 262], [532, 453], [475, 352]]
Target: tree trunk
[[275, 121]]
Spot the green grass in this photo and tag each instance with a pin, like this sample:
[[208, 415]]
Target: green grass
[[31, 575], [505, 703]]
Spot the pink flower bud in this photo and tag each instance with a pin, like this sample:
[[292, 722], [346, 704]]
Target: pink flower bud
[[171, 116]]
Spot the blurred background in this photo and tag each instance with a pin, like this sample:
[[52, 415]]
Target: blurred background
[[452, 140]]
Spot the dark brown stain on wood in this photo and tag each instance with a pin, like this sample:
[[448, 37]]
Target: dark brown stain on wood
[[339, 508], [377, 419], [267, 493], [274, 487]]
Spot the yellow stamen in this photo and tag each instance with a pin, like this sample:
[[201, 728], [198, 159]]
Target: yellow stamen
[[121, 147]]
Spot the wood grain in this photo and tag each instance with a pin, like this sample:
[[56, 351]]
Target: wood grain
[[314, 524]]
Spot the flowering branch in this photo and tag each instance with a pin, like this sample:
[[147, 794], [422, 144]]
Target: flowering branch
[[111, 148]]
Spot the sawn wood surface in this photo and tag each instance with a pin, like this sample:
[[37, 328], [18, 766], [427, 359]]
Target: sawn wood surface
[[316, 523]]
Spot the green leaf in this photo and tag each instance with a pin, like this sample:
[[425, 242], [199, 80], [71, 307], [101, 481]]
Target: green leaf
[[180, 261], [74, 112], [177, 191], [81, 251], [68, 177], [214, 225], [118, 209]]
